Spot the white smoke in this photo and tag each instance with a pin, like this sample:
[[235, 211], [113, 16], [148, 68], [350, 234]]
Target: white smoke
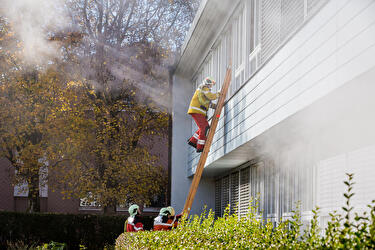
[[32, 22]]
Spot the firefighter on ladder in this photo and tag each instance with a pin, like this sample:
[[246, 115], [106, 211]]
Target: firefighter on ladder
[[199, 105]]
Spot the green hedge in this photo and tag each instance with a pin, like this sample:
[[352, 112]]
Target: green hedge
[[92, 231], [346, 231]]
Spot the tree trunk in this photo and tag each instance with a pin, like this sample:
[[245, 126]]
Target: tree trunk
[[109, 209], [34, 200]]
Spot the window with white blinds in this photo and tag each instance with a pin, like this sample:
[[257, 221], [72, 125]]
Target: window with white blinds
[[245, 191], [218, 211], [234, 192], [238, 188], [270, 27], [292, 15], [275, 189], [280, 18], [225, 191]]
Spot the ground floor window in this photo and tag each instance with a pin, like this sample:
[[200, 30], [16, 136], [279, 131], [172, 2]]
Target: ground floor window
[[274, 188], [240, 188]]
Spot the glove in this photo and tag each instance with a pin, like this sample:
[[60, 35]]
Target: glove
[[213, 106]]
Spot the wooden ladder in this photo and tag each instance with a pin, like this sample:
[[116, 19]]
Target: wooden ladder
[[206, 150]]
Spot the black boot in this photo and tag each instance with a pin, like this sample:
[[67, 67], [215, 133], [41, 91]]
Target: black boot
[[200, 150], [192, 144]]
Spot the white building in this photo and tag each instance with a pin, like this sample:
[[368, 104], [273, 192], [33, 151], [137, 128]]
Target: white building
[[300, 109]]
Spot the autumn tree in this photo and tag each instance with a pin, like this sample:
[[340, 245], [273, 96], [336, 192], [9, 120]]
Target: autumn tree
[[90, 141], [27, 101], [104, 156], [89, 114], [124, 57]]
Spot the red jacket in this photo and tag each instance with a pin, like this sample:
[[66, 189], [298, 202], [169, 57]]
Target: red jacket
[[163, 223], [134, 224]]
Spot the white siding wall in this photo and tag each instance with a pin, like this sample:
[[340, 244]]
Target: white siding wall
[[335, 46], [330, 176]]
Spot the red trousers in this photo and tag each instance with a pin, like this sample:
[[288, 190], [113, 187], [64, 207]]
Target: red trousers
[[199, 137]]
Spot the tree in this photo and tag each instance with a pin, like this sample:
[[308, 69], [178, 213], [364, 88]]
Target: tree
[[131, 40], [125, 54], [27, 103], [90, 114], [105, 157]]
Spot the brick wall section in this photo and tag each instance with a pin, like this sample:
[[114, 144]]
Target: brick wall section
[[6, 189], [158, 146], [55, 202], [20, 204]]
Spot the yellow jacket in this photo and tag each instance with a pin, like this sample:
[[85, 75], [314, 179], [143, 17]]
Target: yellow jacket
[[201, 100]]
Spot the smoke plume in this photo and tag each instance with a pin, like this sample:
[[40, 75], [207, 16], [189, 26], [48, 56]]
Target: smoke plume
[[33, 21]]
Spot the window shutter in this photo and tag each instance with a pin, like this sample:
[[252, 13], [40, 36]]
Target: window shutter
[[292, 15], [244, 191], [270, 27], [314, 5], [234, 192], [224, 194], [218, 211]]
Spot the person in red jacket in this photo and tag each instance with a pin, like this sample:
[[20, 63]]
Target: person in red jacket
[[166, 220], [134, 222]]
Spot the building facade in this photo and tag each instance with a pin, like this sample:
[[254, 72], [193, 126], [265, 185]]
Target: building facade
[[15, 197], [299, 113]]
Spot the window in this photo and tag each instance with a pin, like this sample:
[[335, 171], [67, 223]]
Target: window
[[90, 202], [273, 189], [272, 192], [252, 26], [292, 15], [239, 49], [121, 207], [254, 33], [245, 191], [238, 188], [228, 54], [225, 199], [218, 211], [280, 18], [313, 5], [234, 192], [22, 188]]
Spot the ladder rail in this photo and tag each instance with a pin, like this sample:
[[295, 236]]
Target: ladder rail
[[202, 160]]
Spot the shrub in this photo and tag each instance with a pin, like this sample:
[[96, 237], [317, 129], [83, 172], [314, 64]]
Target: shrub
[[92, 231], [53, 246], [248, 232]]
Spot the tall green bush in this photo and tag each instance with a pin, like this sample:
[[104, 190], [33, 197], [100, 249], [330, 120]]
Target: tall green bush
[[231, 232]]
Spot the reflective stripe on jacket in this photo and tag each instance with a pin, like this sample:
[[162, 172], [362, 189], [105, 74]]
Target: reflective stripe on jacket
[[201, 100], [133, 225], [159, 225]]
